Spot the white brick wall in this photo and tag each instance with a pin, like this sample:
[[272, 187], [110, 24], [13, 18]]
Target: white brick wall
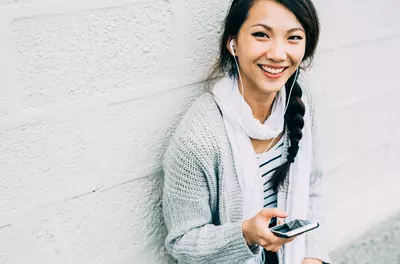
[[90, 92], [355, 74]]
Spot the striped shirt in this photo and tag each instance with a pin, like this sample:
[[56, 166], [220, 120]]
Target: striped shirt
[[268, 162]]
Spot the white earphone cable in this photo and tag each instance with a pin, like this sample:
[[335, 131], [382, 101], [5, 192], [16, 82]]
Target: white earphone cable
[[241, 83], [287, 104]]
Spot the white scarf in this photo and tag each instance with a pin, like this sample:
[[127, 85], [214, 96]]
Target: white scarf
[[240, 127]]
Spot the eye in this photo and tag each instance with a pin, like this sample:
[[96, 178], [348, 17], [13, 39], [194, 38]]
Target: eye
[[260, 35], [295, 38]]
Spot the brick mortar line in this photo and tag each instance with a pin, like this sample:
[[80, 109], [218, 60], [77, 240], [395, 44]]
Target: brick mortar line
[[367, 41], [46, 206], [67, 109], [349, 159], [31, 10], [354, 100]]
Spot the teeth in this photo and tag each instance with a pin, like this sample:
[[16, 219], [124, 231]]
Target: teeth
[[272, 70]]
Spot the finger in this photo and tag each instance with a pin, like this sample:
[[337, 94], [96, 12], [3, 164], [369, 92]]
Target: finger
[[277, 249], [272, 248], [272, 238], [287, 240], [280, 240], [269, 213], [290, 239]]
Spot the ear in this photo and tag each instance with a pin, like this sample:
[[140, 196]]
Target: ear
[[230, 45]]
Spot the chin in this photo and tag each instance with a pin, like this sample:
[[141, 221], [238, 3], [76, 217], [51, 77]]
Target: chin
[[272, 88]]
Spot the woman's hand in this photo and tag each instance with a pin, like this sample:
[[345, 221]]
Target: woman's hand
[[256, 230], [311, 261]]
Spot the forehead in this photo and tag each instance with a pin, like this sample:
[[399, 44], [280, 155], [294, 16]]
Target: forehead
[[273, 14]]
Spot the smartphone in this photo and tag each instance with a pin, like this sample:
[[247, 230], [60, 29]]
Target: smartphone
[[293, 228]]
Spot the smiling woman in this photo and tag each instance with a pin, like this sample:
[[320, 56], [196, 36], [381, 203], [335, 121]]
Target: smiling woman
[[244, 156], [270, 46]]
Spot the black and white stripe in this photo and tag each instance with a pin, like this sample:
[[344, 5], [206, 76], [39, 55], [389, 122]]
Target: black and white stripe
[[268, 163]]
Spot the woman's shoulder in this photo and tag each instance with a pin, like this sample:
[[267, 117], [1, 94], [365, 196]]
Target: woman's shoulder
[[310, 100], [314, 110], [307, 96], [202, 112], [201, 125], [203, 106]]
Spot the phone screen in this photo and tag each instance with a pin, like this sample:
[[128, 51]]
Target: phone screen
[[289, 226]]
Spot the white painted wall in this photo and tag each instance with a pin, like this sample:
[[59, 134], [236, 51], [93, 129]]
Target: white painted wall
[[356, 75], [91, 90]]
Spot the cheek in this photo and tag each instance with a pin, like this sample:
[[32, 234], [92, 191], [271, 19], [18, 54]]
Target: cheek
[[297, 57], [297, 54], [250, 51]]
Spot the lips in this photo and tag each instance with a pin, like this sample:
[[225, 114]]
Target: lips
[[272, 70]]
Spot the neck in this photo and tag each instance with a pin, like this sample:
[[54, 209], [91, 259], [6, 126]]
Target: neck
[[260, 103]]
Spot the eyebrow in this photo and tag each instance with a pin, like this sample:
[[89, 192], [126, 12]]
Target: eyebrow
[[270, 29]]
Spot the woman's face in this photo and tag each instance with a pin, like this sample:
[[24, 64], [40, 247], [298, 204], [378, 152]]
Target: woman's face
[[270, 46]]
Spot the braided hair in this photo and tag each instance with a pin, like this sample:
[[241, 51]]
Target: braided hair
[[294, 123]]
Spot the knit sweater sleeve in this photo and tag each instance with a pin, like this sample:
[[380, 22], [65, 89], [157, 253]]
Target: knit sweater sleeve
[[189, 180], [315, 240]]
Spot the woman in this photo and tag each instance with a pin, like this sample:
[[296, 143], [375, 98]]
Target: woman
[[244, 155]]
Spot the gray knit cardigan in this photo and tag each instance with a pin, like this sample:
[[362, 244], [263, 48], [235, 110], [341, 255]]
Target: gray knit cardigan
[[202, 201]]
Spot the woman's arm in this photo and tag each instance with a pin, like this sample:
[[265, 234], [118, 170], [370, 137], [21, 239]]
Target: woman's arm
[[192, 238]]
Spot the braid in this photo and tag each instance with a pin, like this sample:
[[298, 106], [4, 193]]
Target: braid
[[294, 122]]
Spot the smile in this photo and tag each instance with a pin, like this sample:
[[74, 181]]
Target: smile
[[272, 73], [272, 70]]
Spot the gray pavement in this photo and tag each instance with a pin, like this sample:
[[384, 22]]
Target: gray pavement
[[381, 245]]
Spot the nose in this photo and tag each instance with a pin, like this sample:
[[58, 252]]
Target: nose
[[276, 52]]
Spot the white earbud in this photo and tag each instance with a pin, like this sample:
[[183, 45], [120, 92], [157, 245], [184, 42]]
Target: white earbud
[[232, 47]]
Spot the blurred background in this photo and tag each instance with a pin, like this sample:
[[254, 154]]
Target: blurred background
[[91, 90]]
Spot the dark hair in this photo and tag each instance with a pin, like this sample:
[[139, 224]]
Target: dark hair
[[306, 14]]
